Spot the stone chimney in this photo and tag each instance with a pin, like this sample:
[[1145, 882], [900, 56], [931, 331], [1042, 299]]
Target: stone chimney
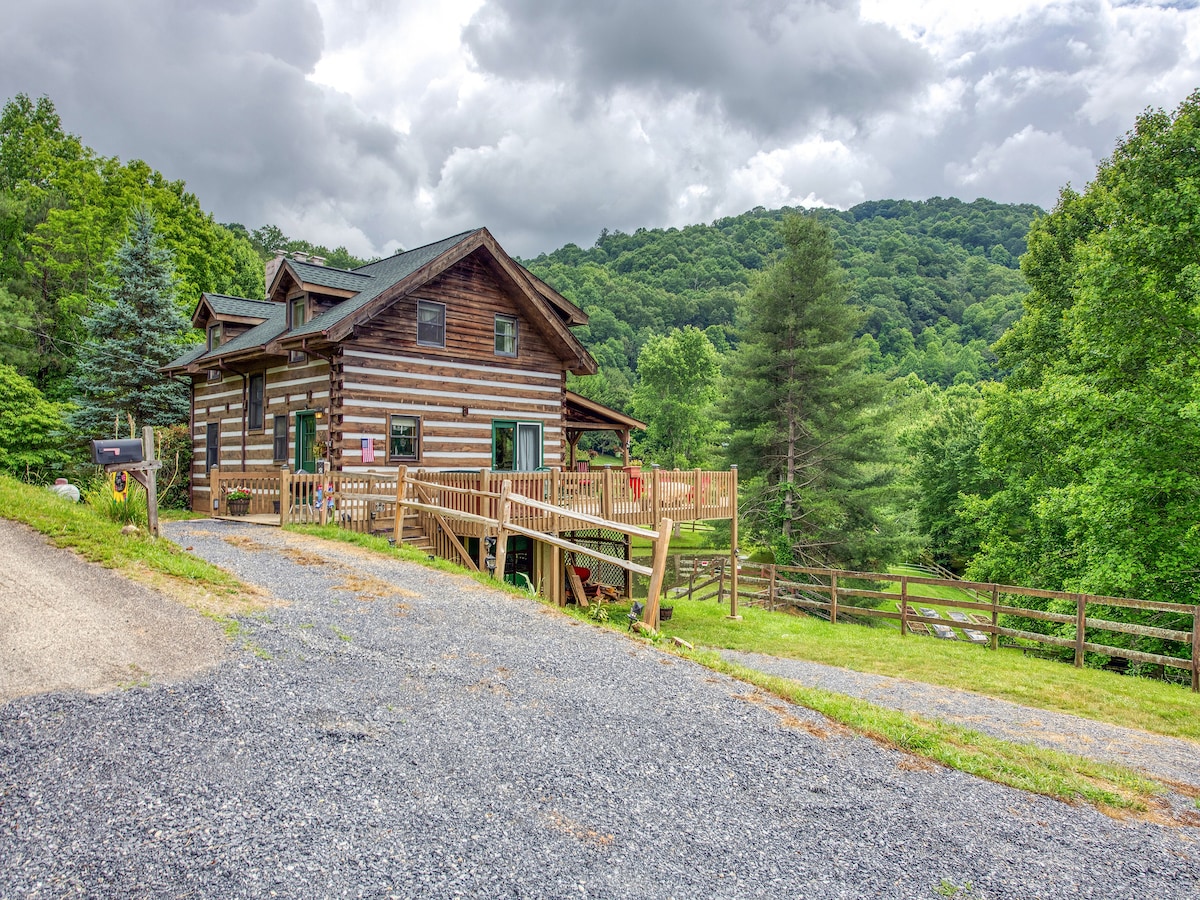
[[272, 267]]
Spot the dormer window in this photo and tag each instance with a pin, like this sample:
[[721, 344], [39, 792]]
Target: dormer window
[[297, 316], [214, 336]]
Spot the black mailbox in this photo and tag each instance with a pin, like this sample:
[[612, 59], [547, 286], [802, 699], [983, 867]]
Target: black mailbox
[[105, 452]]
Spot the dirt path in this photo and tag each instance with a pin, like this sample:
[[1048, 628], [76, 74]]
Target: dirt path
[[66, 624]]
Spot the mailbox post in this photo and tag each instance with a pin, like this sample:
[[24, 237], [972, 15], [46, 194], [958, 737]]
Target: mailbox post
[[136, 458]]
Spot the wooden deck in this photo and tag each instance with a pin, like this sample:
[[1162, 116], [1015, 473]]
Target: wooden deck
[[364, 500]]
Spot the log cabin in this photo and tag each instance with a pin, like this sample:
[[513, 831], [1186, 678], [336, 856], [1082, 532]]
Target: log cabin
[[451, 356], [449, 360]]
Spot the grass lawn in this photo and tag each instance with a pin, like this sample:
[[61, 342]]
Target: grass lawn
[[1007, 674], [157, 563]]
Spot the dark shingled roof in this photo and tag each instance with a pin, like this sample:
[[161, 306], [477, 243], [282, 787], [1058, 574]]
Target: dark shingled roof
[[257, 336], [275, 325], [224, 305], [383, 275], [325, 276], [188, 357]]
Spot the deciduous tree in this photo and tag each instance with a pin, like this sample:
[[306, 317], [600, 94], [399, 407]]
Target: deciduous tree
[[677, 388]]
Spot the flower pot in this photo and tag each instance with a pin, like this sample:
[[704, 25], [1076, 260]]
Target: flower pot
[[239, 507], [665, 612]]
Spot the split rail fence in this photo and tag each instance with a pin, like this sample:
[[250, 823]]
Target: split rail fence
[[832, 593]]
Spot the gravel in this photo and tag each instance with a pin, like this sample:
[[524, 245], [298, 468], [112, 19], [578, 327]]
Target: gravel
[[1171, 759], [387, 730]]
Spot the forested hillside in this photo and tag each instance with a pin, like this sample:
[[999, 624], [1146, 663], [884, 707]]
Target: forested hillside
[[64, 211], [937, 282]]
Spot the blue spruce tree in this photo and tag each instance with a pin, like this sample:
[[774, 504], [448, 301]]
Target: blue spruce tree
[[138, 329]]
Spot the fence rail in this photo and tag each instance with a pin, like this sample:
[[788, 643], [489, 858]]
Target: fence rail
[[826, 592]]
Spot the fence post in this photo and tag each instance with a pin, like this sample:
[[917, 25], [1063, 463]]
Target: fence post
[[151, 481], [721, 583], [606, 498], [1080, 615], [398, 525], [771, 590], [903, 605], [502, 532], [692, 577], [733, 551], [657, 568], [1196, 648], [285, 496], [833, 598], [995, 617]]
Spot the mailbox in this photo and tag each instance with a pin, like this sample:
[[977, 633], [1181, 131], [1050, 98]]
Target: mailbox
[[106, 452]]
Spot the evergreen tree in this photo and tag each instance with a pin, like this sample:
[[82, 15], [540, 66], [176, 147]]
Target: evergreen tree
[[129, 337], [805, 413]]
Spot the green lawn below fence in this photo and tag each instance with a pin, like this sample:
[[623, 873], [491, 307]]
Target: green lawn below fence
[[1006, 674]]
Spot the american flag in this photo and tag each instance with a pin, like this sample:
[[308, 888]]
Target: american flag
[[368, 450]]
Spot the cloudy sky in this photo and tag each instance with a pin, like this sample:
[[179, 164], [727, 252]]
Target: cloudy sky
[[385, 123]]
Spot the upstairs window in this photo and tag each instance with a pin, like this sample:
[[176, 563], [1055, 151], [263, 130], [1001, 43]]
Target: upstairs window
[[297, 316], [255, 412], [506, 336], [431, 324], [214, 336]]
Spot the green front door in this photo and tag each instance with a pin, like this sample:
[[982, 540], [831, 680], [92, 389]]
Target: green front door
[[306, 442]]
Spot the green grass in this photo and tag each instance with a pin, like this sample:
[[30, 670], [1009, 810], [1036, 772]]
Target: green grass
[[1063, 776], [695, 536], [98, 539], [1006, 674]]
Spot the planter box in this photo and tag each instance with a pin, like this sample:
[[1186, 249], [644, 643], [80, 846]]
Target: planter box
[[239, 507]]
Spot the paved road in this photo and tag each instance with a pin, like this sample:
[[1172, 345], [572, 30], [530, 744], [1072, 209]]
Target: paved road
[[388, 730], [69, 625]]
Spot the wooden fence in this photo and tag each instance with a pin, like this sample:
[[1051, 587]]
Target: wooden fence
[[509, 512], [353, 500], [832, 593], [358, 502]]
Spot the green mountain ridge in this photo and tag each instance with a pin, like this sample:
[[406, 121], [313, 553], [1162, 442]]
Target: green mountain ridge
[[937, 282]]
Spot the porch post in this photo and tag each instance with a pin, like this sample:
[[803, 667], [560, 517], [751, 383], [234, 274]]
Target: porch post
[[733, 548]]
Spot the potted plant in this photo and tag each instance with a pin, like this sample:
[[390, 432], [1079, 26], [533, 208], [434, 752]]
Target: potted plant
[[238, 500]]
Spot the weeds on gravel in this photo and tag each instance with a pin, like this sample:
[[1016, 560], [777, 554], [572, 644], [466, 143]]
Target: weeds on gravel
[[1006, 674], [1048, 772], [409, 554]]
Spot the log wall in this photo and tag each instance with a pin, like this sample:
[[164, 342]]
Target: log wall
[[457, 391], [288, 389]]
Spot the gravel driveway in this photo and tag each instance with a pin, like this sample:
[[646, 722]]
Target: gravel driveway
[[395, 731]]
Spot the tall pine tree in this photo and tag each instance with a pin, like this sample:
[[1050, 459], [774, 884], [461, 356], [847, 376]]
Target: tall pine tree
[[805, 413], [129, 337]]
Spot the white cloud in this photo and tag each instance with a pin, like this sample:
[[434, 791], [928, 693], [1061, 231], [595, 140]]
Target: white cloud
[[372, 123], [995, 171]]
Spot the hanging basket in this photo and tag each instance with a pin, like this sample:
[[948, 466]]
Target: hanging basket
[[239, 507]]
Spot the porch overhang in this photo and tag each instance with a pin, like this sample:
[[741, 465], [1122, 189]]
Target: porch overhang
[[581, 415]]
